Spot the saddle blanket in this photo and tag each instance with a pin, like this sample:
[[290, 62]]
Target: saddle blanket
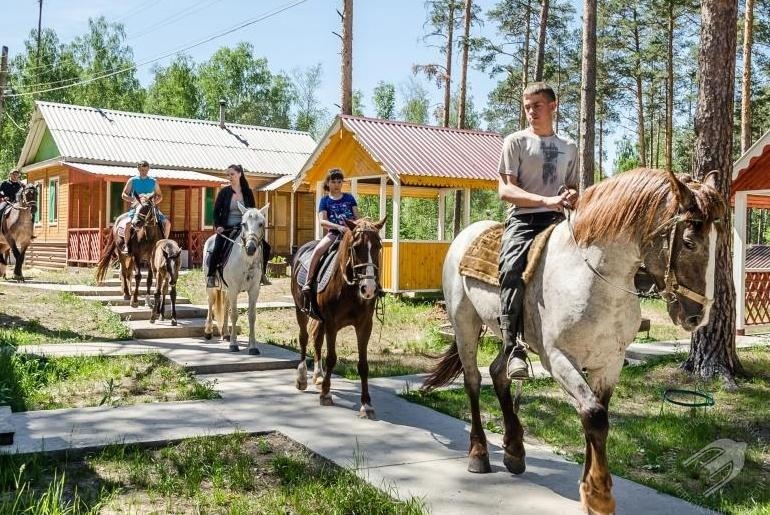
[[325, 268], [481, 260]]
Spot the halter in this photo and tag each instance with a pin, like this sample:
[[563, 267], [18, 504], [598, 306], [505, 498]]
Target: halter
[[673, 288], [21, 203], [359, 276], [143, 217]]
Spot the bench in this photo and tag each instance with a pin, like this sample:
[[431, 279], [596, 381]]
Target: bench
[[6, 427], [644, 325]]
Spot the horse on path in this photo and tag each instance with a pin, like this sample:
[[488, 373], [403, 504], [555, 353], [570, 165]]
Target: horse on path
[[348, 299], [581, 311], [165, 265], [16, 229], [146, 232], [241, 272]]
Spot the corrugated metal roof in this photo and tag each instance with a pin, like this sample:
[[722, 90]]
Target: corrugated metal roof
[[125, 138], [272, 186], [758, 257], [159, 173], [428, 151]]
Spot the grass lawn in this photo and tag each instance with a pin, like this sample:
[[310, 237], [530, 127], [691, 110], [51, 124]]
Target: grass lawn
[[237, 474], [32, 316], [661, 326], [649, 441], [30, 382]]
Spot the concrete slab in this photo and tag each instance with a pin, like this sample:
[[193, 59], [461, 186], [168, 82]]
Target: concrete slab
[[185, 327], [261, 306], [118, 300], [6, 426], [194, 354], [84, 290], [144, 313]]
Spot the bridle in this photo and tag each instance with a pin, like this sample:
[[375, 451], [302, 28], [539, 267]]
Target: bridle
[[351, 264], [672, 244], [21, 199], [142, 217]]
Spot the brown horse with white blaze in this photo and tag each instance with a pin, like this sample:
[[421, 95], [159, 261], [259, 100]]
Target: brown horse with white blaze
[[166, 260], [348, 299]]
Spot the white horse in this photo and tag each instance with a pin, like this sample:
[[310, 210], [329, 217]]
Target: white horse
[[242, 272], [580, 308]]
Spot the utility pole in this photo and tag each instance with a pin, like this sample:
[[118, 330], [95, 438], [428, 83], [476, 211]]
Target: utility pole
[[39, 29], [3, 80], [347, 57]]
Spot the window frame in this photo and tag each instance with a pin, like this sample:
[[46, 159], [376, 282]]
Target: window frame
[[52, 180]]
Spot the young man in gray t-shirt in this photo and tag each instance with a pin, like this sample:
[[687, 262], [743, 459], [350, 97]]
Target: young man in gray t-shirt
[[534, 165]]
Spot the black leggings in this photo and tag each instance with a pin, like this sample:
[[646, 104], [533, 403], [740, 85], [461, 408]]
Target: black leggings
[[221, 245]]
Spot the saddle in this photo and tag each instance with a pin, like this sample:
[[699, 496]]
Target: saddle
[[481, 260], [226, 251], [324, 272]]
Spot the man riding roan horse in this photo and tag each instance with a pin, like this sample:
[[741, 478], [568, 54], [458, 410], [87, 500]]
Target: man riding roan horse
[[8, 190], [141, 185]]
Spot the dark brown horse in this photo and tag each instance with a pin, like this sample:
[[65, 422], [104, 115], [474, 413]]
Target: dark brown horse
[[348, 299], [16, 229], [165, 263], [146, 232]]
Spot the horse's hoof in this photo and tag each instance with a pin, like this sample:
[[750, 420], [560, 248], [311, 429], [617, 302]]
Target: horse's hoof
[[513, 464], [126, 297], [173, 321], [367, 411], [234, 348], [253, 351], [300, 384], [479, 464], [207, 336], [152, 320], [326, 400], [594, 503], [318, 380], [134, 304]]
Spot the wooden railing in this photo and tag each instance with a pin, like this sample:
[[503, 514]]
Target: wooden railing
[[85, 245], [757, 298], [193, 242]]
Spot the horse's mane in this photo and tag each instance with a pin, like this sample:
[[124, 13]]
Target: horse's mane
[[630, 204]]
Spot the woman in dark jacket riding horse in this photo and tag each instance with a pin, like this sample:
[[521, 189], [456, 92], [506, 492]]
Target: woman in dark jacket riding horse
[[227, 219]]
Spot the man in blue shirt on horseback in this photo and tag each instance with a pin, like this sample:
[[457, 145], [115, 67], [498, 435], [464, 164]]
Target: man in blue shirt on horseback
[[534, 166], [142, 184]]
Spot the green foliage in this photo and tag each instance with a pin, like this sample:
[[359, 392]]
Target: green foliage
[[358, 103], [384, 99], [310, 116], [254, 95], [626, 157], [416, 103], [173, 91]]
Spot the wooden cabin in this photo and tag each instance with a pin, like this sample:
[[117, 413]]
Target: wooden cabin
[[394, 160], [81, 157]]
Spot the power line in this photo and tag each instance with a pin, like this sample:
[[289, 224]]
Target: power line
[[175, 17], [252, 21], [139, 8]]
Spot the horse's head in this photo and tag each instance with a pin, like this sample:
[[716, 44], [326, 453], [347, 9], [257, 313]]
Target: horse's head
[[27, 198], [363, 260], [145, 211], [252, 227], [681, 255]]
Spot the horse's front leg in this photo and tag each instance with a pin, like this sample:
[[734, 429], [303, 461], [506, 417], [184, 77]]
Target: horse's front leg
[[302, 320], [232, 297], [253, 294], [149, 287], [317, 333], [172, 295], [363, 332], [137, 283], [126, 267], [18, 255], [513, 439], [331, 361], [596, 483], [157, 309]]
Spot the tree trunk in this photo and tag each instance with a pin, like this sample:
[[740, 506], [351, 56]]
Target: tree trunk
[[525, 65], [601, 149], [541, 40], [458, 210], [449, 48], [748, 30], [346, 104], [670, 87], [712, 350], [639, 94], [558, 86], [588, 96]]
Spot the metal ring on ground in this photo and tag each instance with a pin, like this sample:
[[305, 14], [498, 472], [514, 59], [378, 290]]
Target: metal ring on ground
[[707, 401]]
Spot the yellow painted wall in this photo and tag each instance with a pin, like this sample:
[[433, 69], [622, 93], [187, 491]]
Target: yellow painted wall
[[420, 265], [345, 153]]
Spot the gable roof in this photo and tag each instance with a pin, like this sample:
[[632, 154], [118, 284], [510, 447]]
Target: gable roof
[[407, 150], [105, 136]]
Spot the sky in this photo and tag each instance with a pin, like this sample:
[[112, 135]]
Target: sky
[[388, 37]]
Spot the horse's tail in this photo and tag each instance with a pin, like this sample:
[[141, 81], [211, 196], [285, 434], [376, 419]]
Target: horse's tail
[[108, 255], [446, 370], [220, 309]]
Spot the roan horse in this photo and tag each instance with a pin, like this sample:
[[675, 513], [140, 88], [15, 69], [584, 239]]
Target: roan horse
[[348, 299], [241, 272], [146, 231], [580, 308], [16, 231], [165, 265]]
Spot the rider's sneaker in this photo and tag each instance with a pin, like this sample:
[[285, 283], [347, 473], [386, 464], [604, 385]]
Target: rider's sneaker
[[517, 365], [211, 281]]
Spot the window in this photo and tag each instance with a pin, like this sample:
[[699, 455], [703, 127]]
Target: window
[[53, 200], [208, 207], [116, 201], [39, 197]]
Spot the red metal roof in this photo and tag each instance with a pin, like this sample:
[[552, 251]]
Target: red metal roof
[[407, 149]]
